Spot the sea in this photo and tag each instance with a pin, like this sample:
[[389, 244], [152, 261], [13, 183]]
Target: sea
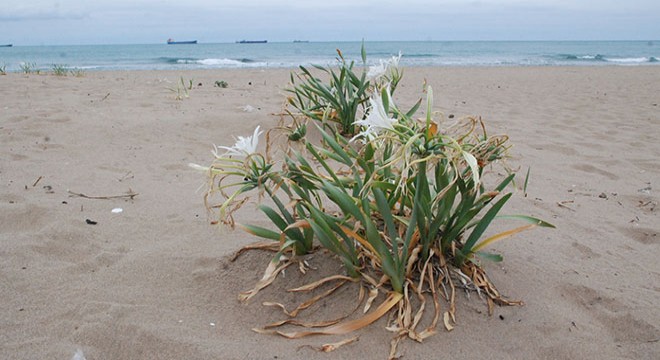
[[303, 53]]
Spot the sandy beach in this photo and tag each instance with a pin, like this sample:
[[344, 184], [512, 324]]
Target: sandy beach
[[154, 281]]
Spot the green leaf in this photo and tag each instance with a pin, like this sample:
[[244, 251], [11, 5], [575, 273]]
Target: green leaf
[[273, 216], [529, 219], [526, 181], [335, 146], [484, 223], [261, 232], [363, 52], [489, 256], [414, 109]]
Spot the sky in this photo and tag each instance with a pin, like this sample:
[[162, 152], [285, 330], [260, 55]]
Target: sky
[[62, 22]]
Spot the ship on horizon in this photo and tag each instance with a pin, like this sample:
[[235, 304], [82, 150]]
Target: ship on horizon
[[172, 42], [252, 41]]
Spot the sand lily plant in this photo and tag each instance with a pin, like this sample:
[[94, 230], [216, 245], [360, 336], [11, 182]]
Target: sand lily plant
[[60, 70], [344, 98], [401, 202]]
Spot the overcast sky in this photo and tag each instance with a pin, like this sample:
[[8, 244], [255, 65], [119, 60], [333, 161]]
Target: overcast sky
[[46, 22]]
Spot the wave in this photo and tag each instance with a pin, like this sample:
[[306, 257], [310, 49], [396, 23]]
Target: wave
[[223, 62], [635, 60], [607, 59], [596, 57]]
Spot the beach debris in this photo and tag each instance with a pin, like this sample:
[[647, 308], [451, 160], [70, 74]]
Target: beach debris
[[78, 355], [221, 84], [563, 204], [90, 222], [602, 195], [332, 346], [128, 175], [37, 181], [117, 210], [130, 194], [49, 189], [248, 108], [645, 190]]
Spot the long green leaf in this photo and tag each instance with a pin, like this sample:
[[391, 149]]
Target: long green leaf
[[261, 232], [484, 223]]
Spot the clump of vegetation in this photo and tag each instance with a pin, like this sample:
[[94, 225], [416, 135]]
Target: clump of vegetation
[[3, 69], [344, 99], [221, 84], [77, 72], [400, 201], [182, 89], [60, 70], [29, 68]]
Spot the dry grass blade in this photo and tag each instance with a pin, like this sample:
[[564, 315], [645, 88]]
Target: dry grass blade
[[270, 274], [334, 346], [373, 293], [412, 260], [393, 347], [307, 303], [313, 324], [430, 330], [130, 194], [318, 283], [261, 245], [412, 333], [359, 239], [447, 320], [347, 327]]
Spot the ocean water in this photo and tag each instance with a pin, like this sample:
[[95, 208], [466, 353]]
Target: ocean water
[[293, 54]]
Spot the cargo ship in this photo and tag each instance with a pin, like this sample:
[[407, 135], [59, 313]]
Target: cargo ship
[[172, 42], [252, 42]]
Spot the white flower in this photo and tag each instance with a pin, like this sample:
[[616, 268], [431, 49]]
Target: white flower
[[392, 65], [394, 62], [377, 119], [377, 71], [244, 146]]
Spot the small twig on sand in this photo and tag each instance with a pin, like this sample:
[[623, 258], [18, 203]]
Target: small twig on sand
[[37, 181], [130, 195], [563, 204], [105, 97]]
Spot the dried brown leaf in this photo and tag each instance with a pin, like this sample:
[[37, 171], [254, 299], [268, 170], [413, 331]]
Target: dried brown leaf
[[373, 293], [315, 284], [337, 345], [269, 245], [270, 274], [447, 320], [347, 327]]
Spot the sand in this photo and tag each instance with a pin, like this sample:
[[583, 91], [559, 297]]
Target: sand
[[155, 281]]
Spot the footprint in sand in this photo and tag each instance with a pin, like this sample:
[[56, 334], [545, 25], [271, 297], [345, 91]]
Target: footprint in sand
[[615, 316]]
